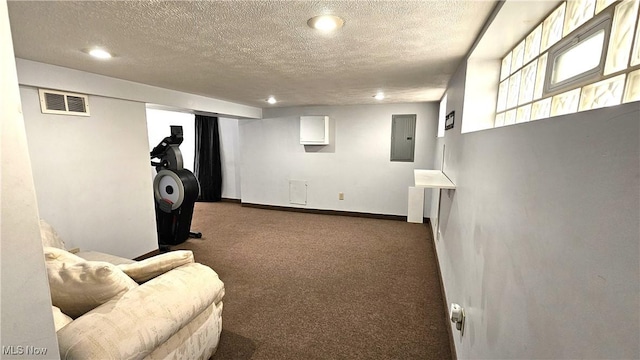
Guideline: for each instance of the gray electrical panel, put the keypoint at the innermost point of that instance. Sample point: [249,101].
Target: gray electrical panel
[403,135]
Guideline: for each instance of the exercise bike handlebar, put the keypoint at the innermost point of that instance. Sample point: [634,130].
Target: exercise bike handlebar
[175,139]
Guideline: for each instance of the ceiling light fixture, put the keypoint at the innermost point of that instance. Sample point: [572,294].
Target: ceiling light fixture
[379,96]
[99,53]
[271,100]
[325,22]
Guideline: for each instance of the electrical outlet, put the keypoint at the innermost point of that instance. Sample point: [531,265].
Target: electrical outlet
[340,196]
[457,316]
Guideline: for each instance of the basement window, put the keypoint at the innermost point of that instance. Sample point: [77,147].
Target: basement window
[584,55]
[581,58]
[578,58]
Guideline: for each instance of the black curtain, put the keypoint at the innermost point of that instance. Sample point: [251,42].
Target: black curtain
[207,165]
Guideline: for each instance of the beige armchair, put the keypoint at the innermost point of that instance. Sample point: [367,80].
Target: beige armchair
[164,307]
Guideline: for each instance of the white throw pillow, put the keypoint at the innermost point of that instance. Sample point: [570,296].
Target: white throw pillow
[60,320]
[79,286]
[50,236]
[147,269]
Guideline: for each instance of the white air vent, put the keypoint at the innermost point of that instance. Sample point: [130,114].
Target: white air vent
[59,102]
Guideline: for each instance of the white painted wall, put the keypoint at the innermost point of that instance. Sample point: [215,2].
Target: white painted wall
[159,127]
[481,93]
[92,174]
[540,240]
[230,157]
[356,162]
[25,301]
[38,74]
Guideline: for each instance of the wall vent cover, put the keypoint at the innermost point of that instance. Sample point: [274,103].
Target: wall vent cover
[63,103]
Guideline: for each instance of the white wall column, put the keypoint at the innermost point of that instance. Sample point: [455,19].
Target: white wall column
[25,300]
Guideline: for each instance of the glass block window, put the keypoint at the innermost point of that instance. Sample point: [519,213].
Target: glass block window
[532,44]
[502,95]
[584,55]
[603,93]
[635,53]
[540,74]
[527,83]
[517,57]
[541,109]
[500,120]
[552,28]
[578,12]
[624,22]
[506,67]
[523,114]
[514,89]
[510,117]
[632,90]
[603,4]
[565,103]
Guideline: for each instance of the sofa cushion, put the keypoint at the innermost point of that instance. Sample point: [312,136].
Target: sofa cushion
[60,320]
[147,269]
[196,340]
[49,236]
[79,286]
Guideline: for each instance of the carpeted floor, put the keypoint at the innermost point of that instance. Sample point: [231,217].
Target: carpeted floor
[307,286]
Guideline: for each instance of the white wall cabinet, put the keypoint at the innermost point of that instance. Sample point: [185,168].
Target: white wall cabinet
[314,130]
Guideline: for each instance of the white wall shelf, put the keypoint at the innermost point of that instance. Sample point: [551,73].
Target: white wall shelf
[434,179]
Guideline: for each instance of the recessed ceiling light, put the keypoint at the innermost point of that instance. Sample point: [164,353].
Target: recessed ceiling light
[271,100]
[99,53]
[379,96]
[325,22]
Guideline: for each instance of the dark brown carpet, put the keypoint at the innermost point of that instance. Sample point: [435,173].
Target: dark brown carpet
[307,286]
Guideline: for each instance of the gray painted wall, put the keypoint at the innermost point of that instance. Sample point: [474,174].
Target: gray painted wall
[357,161]
[92,174]
[540,240]
[25,302]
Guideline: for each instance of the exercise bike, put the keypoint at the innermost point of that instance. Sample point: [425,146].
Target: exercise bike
[175,190]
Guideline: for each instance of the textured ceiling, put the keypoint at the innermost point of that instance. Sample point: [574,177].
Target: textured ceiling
[245,51]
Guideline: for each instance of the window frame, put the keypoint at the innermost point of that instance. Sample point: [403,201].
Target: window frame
[602,21]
